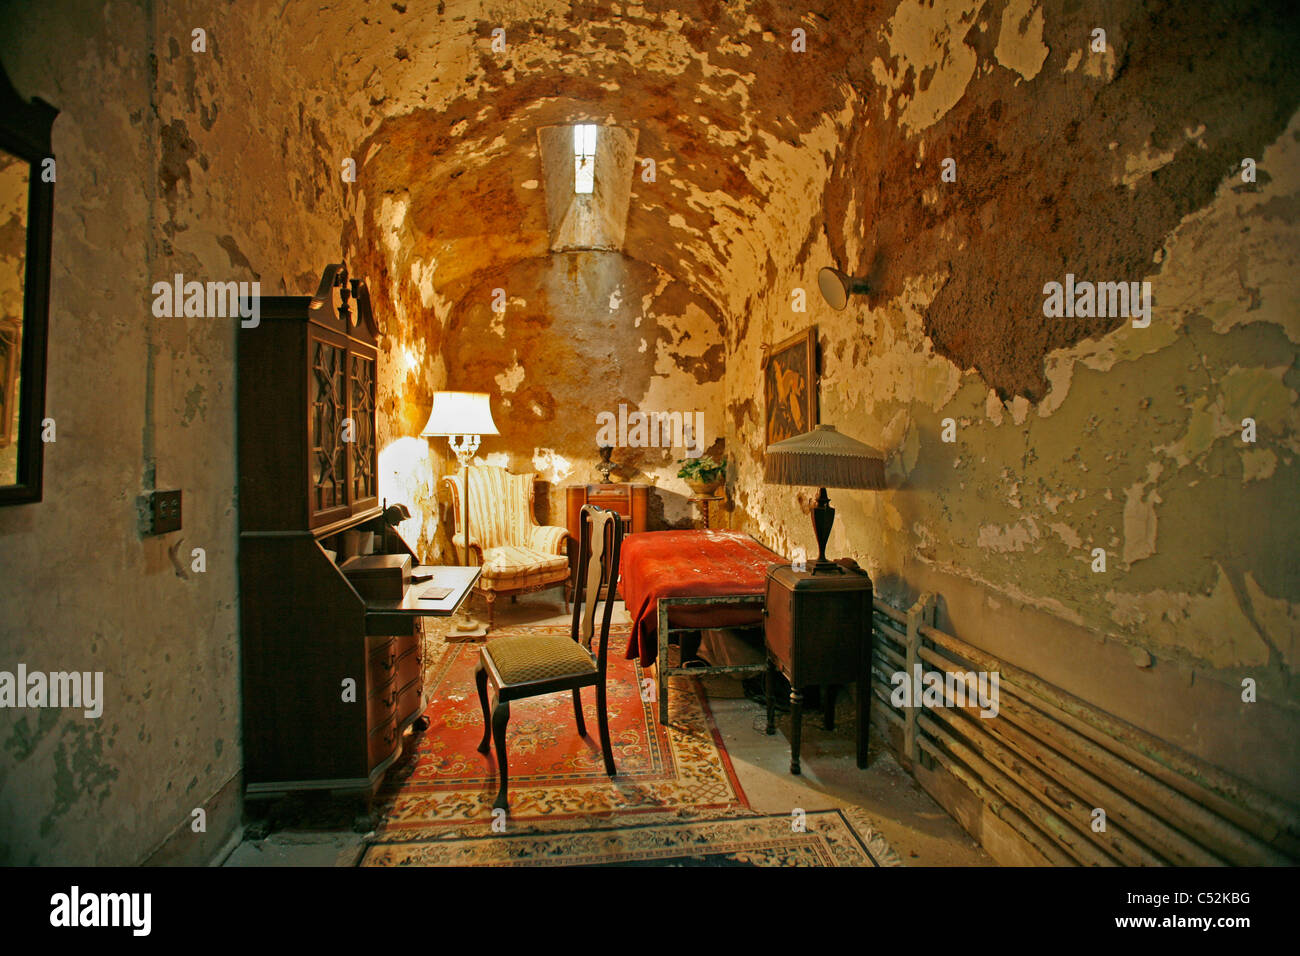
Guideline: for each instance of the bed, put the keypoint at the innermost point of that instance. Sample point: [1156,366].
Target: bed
[691,580]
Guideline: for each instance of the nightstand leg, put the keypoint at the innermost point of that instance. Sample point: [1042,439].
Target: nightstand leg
[864,714]
[769,690]
[796,726]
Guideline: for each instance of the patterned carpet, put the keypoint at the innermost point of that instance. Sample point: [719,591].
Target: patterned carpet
[554,773]
[676,800]
[822,838]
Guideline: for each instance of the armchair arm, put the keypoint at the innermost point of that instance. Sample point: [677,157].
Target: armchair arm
[549,539]
[458,541]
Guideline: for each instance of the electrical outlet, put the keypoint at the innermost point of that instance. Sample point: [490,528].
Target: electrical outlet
[164,512]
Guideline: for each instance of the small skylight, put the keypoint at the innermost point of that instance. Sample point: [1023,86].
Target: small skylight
[584,158]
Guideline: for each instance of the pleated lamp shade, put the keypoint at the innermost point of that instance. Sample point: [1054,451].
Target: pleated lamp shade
[824,458]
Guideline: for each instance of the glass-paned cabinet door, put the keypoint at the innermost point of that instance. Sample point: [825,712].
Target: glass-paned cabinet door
[328,397]
[364,453]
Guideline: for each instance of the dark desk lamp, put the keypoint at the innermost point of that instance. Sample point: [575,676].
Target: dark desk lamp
[824,458]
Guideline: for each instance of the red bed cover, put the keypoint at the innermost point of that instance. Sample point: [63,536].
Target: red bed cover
[656,564]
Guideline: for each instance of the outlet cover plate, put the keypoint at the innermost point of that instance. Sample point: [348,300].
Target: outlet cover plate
[164,511]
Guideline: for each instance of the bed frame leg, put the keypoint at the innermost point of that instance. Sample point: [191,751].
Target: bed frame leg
[661,662]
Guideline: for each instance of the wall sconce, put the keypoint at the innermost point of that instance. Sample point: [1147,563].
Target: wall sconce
[836,287]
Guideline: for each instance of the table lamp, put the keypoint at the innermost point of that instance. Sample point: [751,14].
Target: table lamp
[462,418]
[826,459]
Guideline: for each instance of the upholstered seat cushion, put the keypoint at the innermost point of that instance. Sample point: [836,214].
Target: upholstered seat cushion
[510,567]
[538,657]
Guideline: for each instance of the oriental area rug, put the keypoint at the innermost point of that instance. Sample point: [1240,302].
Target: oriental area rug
[714,838]
[555,774]
[676,800]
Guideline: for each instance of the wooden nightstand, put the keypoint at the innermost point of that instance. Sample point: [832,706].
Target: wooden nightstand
[818,631]
[629,501]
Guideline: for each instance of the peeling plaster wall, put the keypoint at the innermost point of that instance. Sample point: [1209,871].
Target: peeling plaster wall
[169,161]
[581,334]
[1070,434]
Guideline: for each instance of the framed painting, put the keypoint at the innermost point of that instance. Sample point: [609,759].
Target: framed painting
[790,387]
[26,224]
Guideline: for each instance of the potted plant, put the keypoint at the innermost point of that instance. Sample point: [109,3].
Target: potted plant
[703,475]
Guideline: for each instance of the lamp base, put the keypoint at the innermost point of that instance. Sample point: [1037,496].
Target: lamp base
[465,629]
[823,519]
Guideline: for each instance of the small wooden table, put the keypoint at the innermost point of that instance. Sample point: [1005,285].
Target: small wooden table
[818,631]
[705,502]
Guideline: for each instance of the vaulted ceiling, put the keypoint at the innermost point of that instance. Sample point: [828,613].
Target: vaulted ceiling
[720,108]
[763,152]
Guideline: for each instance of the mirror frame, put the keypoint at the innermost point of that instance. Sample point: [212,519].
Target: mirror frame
[25,130]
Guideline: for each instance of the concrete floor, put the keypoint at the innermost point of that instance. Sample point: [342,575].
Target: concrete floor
[917,828]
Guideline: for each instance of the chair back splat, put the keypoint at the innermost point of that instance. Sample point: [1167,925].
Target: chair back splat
[601,537]
[518,666]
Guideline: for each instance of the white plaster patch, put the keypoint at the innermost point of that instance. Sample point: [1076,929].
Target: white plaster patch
[510,380]
[993,407]
[1257,464]
[530,184]
[1067,535]
[422,279]
[1138,166]
[1100,66]
[392,215]
[1019,409]
[1139,523]
[1212,627]
[1021,50]
[551,465]
[1004,538]
[925,38]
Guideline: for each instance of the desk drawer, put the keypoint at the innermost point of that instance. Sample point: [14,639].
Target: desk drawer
[617,502]
[409,702]
[383,660]
[381,704]
[384,741]
[408,667]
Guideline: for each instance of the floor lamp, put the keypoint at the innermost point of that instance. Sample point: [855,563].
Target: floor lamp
[824,458]
[462,418]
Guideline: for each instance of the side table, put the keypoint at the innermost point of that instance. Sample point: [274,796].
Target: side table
[818,631]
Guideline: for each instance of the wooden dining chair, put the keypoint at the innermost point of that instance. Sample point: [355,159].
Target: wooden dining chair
[532,665]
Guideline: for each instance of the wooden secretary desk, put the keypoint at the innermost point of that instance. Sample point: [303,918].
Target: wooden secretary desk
[330,679]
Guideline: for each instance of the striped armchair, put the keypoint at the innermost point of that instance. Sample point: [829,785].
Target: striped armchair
[516,553]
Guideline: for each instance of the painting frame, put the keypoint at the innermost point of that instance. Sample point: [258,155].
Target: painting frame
[25,134]
[791,385]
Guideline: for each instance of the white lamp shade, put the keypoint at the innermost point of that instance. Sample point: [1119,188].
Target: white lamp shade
[459,413]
